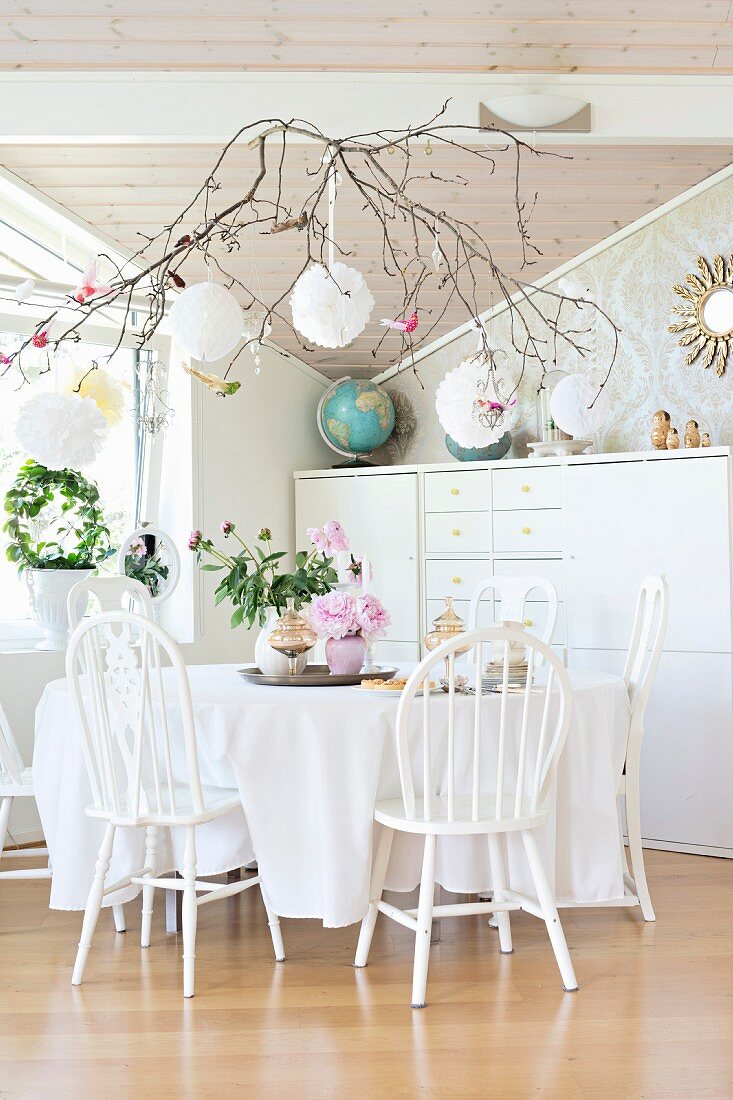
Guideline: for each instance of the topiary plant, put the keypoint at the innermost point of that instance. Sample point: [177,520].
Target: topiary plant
[54,520]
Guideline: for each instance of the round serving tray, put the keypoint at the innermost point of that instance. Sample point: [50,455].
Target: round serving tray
[313,676]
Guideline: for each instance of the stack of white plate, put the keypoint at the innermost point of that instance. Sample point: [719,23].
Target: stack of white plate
[493,676]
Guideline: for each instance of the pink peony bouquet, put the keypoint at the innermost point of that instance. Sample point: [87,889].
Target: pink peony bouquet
[339,613]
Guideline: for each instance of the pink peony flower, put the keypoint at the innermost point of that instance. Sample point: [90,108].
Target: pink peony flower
[137,549]
[372,616]
[336,536]
[318,538]
[334,615]
[195,539]
[226,528]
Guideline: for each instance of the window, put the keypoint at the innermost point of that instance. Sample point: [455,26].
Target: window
[114,470]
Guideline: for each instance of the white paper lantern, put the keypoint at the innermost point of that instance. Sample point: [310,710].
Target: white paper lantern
[471,381]
[60,430]
[331,308]
[206,320]
[570,403]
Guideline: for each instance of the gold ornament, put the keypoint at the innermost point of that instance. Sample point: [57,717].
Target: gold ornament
[661,422]
[692,434]
[705,440]
[706,313]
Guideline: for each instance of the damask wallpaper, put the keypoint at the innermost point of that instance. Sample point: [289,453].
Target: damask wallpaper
[633,282]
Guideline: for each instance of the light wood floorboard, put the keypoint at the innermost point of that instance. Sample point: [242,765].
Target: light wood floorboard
[653,1018]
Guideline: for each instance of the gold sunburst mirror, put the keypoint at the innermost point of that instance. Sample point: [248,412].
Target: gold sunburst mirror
[706,313]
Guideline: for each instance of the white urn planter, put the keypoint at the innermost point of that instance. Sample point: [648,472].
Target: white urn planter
[49,589]
[267,659]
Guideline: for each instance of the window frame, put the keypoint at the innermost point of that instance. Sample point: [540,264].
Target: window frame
[22,634]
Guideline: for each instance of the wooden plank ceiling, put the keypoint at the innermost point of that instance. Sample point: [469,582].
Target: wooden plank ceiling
[559,36]
[129,190]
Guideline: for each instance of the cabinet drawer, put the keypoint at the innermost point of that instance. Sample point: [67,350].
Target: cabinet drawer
[463,491]
[457,578]
[535,620]
[528,530]
[550,568]
[454,532]
[534,487]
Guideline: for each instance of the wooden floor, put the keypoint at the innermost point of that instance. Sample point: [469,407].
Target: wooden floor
[653,1018]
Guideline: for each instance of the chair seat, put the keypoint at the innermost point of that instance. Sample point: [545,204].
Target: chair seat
[391,812]
[217,800]
[24,789]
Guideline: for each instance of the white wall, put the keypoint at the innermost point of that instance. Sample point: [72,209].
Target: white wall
[243,452]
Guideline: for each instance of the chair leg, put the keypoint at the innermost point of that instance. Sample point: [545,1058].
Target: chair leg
[190,912]
[275,930]
[151,847]
[118,912]
[499,879]
[5,808]
[549,911]
[633,828]
[94,904]
[424,923]
[376,886]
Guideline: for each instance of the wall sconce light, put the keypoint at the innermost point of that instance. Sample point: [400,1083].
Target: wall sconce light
[536,112]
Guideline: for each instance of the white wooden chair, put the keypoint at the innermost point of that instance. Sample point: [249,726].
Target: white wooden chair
[109,593]
[642,662]
[114,667]
[16,781]
[515,800]
[513,593]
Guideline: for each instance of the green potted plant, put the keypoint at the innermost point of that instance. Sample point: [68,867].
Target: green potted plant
[57,536]
[259,592]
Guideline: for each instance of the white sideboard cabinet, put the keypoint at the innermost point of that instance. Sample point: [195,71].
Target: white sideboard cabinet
[595,525]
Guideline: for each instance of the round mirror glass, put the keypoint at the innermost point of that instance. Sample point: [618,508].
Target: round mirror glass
[150,556]
[717,311]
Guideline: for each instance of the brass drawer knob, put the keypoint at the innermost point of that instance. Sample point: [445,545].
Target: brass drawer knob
[456,580]
[528,622]
[455,492]
[525,488]
[455,532]
[526,530]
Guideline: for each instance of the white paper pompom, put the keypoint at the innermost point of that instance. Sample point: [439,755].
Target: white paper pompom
[331,308]
[569,406]
[456,399]
[206,320]
[60,430]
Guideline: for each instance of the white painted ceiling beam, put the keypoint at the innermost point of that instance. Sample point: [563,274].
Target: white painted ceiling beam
[166,108]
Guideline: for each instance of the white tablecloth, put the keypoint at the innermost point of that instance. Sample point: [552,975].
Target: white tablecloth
[309,764]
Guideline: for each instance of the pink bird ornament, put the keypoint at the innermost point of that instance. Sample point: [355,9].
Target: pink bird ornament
[402,326]
[91,287]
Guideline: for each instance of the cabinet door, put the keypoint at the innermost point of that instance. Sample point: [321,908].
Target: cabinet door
[379,514]
[627,519]
[687,754]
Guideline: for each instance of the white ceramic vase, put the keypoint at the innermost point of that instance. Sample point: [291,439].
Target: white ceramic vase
[267,659]
[49,589]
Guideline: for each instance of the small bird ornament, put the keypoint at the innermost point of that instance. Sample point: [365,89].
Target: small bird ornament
[407,326]
[92,286]
[219,386]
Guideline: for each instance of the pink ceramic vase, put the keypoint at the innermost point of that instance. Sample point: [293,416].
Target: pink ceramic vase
[345,656]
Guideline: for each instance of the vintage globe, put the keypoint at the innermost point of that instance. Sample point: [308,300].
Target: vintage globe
[355,417]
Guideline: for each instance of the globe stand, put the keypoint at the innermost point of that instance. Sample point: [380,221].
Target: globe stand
[358,462]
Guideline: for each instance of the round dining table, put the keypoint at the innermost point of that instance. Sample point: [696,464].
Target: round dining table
[309,764]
